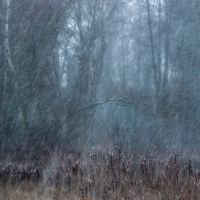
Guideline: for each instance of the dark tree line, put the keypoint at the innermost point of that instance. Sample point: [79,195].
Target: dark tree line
[91,71]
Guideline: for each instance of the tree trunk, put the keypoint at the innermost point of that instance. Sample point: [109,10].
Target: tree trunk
[152,48]
[159,47]
[10,63]
[167,42]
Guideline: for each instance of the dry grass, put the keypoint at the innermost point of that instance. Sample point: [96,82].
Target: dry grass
[72,175]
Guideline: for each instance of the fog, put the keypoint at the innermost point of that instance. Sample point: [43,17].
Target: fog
[93,72]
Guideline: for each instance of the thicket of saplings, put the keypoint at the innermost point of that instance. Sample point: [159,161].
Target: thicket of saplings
[53,172]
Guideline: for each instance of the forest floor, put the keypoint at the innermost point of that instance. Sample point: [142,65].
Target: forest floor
[100,174]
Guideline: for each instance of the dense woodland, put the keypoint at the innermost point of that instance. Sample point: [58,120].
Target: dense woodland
[92,71]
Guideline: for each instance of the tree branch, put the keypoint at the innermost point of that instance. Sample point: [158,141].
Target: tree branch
[141,107]
[2,18]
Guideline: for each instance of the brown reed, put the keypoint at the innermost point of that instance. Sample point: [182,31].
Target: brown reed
[74,174]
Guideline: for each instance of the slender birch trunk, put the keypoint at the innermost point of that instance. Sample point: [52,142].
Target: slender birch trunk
[159,46]
[167,42]
[10,63]
[152,47]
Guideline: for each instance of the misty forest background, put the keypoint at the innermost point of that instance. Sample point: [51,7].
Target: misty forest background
[100,71]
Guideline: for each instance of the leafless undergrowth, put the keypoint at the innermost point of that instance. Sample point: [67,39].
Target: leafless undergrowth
[100,174]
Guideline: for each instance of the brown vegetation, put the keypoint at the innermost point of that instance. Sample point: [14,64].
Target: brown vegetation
[100,174]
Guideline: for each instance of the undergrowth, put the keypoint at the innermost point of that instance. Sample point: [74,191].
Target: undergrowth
[99,174]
